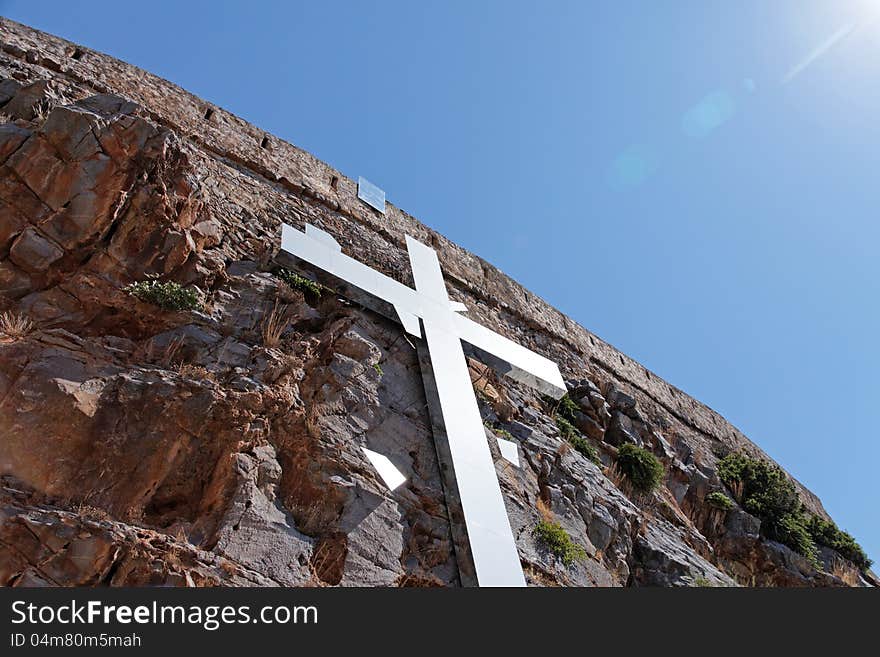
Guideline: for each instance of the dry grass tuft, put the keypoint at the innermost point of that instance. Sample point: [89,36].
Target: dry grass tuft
[275,324]
[419,580]
[313,423]
[91,512]
[328,558]
[190,371]
[845,571]
[171,350]
[286,294]
[737,488]
[616,477]
[624,485]
[14,325]
[40,110]
[544,510]
[228,567]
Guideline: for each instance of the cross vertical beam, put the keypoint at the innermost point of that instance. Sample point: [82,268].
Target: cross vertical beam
[484,538]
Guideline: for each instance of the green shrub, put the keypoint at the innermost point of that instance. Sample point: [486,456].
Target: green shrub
[567,408]
[827,533]
[555,538]
[584,447]
[168,295]
[378,368]
[640,467]
[719,500]
[564,407]
[566,429]
[791,530]
[308,287]
[566,414]
[768,494]
[766,490]
[498,431]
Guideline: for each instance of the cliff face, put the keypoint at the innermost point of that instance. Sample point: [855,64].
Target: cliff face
[222,444]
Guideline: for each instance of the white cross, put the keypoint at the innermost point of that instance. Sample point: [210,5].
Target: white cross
[487,552]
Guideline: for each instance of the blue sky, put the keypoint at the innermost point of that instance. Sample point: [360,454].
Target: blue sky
[695,182]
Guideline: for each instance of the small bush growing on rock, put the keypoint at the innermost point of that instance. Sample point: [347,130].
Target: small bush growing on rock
[791,530]
[640,467]
[566,414]
[308,287]
[566,429]
[564,407]
[378,369]
[827,533]
[769,495]
[584,447]
[567,408]
[498,431]
[168,295]
[719,500]
[766,490]
[555,538]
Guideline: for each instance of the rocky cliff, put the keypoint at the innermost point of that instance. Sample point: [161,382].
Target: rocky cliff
[151,440]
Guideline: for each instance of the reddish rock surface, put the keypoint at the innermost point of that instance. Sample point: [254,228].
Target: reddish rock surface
[141,446]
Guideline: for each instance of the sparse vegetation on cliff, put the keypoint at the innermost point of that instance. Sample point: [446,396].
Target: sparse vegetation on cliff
[498,431]
[643,470]
[826,533]
[566,429]
[719,500]
[567,408]
[791,530]
[584,447]
[274,325]
[167,295]
[556,539]
[565,417]
[766,492]
[308,287]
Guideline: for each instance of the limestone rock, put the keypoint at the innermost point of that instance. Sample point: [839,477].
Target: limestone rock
[33,252]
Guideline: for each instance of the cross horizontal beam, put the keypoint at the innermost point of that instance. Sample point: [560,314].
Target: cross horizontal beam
[519,363]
